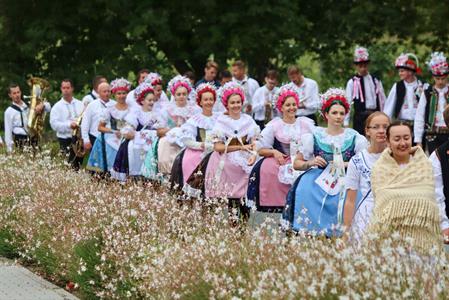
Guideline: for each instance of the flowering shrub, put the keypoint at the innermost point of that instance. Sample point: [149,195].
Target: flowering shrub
[137,241]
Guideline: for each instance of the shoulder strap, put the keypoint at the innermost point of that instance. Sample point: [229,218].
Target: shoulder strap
[400,95]
[15,107]
[92,95]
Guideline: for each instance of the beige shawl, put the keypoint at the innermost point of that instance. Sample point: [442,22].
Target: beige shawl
[404,200]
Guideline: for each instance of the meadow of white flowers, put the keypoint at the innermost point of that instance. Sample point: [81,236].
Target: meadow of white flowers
[119,241]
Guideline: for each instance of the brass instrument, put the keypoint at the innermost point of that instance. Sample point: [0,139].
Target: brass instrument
[36,121]
[77,140]
[268,108]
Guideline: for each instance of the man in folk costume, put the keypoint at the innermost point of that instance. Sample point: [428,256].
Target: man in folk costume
[307,89]
[263,100]
[403,99]
[440,164]
[429,121]
[94,93]
[249,85]
[364,92]
[16,120]
[63,120]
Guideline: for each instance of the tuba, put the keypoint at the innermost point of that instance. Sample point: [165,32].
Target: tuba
[77,140]
[36,122]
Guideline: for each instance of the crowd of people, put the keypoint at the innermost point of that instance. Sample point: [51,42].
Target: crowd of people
[262,149]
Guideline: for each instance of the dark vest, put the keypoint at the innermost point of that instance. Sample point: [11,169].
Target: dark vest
[400,97]
[444,161]
[360,106]
[428,93]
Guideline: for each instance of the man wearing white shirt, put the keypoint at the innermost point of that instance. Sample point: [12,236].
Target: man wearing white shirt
[63,120]
[263,106]
[404,96]
[249,85]
[364,92]
[309,100]
[93,113]
[94,93]
[16,120]
[429,126]
[440,164]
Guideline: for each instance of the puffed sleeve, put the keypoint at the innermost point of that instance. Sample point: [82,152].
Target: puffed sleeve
[361,143]
[306,146]
[266,139]
[439,190]
[352,178]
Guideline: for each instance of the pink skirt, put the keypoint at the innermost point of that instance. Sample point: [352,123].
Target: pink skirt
[272,192]
[166,154]
[191,160]
[233,181]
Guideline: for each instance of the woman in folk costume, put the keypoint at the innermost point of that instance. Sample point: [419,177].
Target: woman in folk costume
[359,197]
[272,177]
[234,136]
[140,139]
[172,118]
[315,200]
[195,135]
[106,145]
[404,192]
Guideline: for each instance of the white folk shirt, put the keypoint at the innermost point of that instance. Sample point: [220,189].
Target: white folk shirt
[408,110]
[249,86]
[262,95]
[63,114]
[92,115]
[420,120]
[370,95]
[308,96]
[439,193]
[90,97]
[13,122]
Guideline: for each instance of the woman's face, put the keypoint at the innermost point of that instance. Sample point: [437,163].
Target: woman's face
[207,101]
[181,96]
[234,104]
[336,115]
[120,96]
[400,140]
[376,130]
[157,92]
[289,107]
[148,101]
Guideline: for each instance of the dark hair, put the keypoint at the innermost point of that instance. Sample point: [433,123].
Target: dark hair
[225,74]
[239,63]
[190,75]
[97,80]
[446,116]
[399,123]
[141,71]
[272,74]
[293,69]
[11,86]
[68,80]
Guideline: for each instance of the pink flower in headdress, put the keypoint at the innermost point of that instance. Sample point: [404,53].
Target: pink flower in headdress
[204,88]
[142,91]
[179,81]
[229,89]
[438,64]
[284,92]
[120,84]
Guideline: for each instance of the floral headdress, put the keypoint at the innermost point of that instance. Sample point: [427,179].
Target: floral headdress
[204,88]
[438,65]
[177,82]
[153,79]
[142,91]
[334,96]
[229,89]
[285,91]
[408,61]
[120,84]
[361,55]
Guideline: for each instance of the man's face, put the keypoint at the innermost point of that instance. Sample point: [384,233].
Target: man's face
[66,90]
[440,81]
[271,82]
[210,73]
[15,94]
[102,80]
[406,74]
[104,91]
[362,69]
[142,77]
[238,73]
[294,77]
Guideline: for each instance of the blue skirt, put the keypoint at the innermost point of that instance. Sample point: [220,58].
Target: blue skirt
[309,208]
[102,156]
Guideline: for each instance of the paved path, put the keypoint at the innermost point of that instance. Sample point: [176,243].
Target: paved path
[18,283]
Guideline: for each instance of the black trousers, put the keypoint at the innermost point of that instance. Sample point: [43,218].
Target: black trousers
[65,145]
[434,140]
[21,141]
